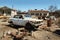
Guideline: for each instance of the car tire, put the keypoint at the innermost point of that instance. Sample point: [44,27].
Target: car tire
[29,27]
[11,23]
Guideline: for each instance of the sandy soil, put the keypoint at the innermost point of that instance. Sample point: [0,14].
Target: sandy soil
[36,35]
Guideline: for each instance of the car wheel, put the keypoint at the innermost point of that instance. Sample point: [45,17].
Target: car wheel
[29,27]
[11,23]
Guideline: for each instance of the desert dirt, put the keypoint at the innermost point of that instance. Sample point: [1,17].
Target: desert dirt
[40,34]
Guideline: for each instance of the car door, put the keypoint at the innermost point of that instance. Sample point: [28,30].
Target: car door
[15,20]
[21,21]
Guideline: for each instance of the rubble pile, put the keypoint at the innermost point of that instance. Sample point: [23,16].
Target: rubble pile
[43,32]
[23,34]
[18,34]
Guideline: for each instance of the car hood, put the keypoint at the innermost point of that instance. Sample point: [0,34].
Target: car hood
[33,19]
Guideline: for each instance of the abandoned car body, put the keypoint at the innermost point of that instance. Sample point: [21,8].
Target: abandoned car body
[23,20]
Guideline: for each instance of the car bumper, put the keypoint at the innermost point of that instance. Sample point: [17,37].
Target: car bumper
[37,25]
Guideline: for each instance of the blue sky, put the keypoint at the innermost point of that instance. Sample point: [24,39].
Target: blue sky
[25,5]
